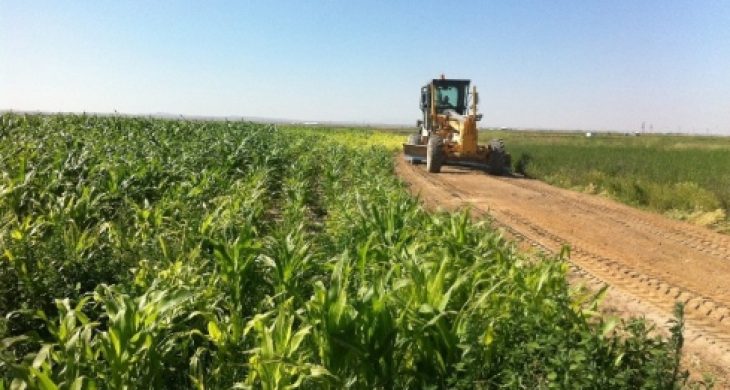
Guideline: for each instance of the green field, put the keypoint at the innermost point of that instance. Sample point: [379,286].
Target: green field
[147,253]
[684,177]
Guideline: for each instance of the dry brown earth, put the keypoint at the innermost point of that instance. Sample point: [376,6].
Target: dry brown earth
[649,261]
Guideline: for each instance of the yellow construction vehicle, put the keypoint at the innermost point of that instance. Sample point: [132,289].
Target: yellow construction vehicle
[448,130]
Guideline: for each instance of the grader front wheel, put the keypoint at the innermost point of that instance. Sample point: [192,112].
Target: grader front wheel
[434,154]
[498,159]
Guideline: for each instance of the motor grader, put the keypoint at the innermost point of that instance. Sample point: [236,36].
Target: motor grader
[448,130]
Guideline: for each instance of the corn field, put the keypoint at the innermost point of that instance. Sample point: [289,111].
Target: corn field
[143,253]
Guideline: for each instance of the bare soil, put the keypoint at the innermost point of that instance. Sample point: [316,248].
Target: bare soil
[649,261]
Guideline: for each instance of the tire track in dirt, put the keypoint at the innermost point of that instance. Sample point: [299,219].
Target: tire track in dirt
[649,261]
[689,235]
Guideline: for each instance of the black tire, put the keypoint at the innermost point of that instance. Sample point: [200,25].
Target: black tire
[434,154]
[498,160]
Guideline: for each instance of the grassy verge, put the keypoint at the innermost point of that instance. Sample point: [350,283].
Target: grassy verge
[141,253]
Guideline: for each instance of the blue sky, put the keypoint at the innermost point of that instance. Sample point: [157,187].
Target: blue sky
[548,64]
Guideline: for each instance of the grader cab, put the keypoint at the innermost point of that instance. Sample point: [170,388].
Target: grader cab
[448,130]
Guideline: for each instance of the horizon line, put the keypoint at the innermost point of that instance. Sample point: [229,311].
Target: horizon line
[333,123]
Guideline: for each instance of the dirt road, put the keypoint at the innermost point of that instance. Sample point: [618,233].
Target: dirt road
[648,260]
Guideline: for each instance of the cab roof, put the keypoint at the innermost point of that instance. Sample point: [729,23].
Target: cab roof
[444,82]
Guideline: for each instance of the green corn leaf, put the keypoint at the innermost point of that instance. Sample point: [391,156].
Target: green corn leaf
[215,333]
[45,382]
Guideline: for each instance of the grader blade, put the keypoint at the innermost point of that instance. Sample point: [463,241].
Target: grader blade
[414,153]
